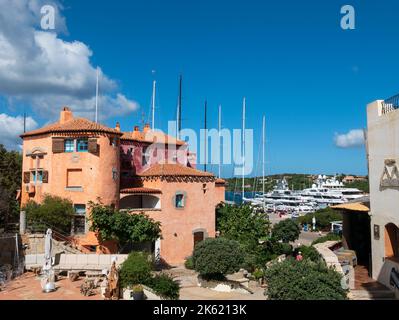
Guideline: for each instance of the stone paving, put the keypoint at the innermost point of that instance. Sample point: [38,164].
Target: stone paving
[191,291]
[27,287]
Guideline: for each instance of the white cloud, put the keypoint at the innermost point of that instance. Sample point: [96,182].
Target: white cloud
[11,128]
[354,138]
[39,68]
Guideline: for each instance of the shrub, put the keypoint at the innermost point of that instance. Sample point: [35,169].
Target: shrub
[323,218]
[309,252]
[214,258]
[303,280]
[189,263]
[328,237]
[286,230]
[164,286]
[136,269]
[121,226]
[54,212]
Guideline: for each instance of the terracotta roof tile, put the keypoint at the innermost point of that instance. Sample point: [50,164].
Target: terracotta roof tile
[151,137]
[220,181]
[73,125]
[174,170]
[140,190]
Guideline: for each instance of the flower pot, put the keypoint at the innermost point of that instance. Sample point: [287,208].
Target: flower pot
[137,295]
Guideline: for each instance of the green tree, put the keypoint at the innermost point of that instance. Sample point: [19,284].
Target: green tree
[240,223]
[303,280]
[122,226]
[309,252]
[286,230]
[10,182]
[214,258]
[54,212]
[323,218]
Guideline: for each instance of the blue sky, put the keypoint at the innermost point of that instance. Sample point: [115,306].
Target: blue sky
[291,60]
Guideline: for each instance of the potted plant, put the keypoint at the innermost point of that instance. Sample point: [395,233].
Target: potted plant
[137,292]
[258,274]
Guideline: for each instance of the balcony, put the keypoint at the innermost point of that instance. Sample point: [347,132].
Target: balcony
[140,199]
[391,104]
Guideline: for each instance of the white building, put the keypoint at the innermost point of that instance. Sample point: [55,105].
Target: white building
[383,154]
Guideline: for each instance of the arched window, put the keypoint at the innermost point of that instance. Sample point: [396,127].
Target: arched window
[391,241]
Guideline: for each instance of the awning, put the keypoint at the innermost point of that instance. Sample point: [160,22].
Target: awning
[354,206]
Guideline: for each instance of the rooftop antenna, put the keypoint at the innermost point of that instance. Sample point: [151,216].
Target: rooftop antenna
[220,139]
[205,136]
[96,120]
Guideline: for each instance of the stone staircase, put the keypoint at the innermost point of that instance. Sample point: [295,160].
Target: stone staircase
[368,289]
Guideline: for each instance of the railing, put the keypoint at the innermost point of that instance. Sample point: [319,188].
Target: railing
[391,104]
[57,234]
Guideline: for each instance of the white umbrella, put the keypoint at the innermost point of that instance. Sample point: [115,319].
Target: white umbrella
[47,250]
[48,280]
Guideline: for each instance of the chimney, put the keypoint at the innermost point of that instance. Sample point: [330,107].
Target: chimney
[136,128]
[146,128]
[66,115]
[118,127]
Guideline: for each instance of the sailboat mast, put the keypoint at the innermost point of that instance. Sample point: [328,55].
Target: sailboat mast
[154,84]
[97,97]
[179,107]
[205,136]
[243,146]
[263,158]
[220,140]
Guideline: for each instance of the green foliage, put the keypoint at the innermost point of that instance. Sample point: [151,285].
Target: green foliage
[216,257]
[328,237]
[54,211]
[303,280]
[258,274]
[240,223]
[323,218]
[309,252]
[10,182]
[286,230]
[361,185]
[122,226]
[189,263]
[136,269]
[137,288]
[164,286]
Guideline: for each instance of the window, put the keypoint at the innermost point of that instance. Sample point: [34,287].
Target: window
[74,178]
[179,201]
[83,145]
[79,221]
[144,160]
[37,176]
[69,145]
[80,209]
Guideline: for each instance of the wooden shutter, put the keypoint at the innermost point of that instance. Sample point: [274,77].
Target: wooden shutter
[45,177]
[92,145]
[58,145]
[26,176]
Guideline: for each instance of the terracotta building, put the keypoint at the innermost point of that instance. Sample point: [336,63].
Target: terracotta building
[139,171]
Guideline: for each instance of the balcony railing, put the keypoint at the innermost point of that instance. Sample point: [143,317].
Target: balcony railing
[391,104]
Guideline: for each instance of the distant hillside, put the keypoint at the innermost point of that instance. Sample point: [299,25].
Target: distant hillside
[295,182]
